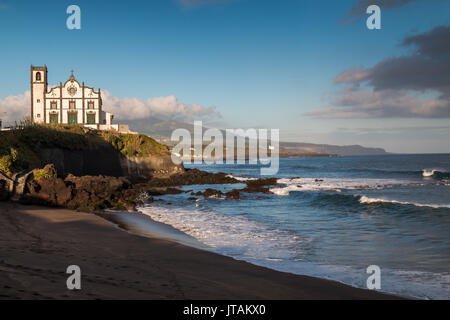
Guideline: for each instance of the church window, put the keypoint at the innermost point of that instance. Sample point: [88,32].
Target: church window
[38,76]
[71,104]
[38,100]
[53,105]
[90,104]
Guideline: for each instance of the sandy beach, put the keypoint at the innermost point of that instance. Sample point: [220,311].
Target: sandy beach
[37,244]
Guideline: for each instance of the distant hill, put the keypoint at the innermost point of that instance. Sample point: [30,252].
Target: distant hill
[331,149]
[161,130]
[158,127]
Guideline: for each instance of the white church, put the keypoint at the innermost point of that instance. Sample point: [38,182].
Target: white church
[68,103]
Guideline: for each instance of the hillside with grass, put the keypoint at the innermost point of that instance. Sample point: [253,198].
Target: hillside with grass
[20,149]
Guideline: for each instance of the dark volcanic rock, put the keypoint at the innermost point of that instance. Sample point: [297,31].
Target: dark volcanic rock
[88,193]
[192,176]
[157,191]
[259,185]
[4,193]
[95,193]
[208,193]
[233,194]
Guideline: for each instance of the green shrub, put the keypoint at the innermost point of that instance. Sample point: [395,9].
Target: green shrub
[6,164]
[41,174]
[131,145]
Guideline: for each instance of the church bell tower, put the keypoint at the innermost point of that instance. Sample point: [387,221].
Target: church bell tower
[38,90]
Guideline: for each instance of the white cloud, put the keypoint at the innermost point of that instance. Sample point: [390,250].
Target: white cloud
[16,108]
[166,107]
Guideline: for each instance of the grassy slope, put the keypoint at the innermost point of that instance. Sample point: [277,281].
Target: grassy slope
[19,147]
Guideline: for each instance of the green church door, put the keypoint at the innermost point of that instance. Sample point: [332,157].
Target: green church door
[91,118]
[54,118]
[72,118]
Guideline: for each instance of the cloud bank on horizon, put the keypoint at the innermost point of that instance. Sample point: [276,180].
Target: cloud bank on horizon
[397,82]
[16,108]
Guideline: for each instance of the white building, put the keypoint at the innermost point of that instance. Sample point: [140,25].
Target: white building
[68,103]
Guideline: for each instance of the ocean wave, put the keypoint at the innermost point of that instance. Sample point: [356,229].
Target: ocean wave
[335,185]
[367,200]
[234,236]
[436,174]
[426,173]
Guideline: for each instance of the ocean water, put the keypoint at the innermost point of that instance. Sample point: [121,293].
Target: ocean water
[332,217]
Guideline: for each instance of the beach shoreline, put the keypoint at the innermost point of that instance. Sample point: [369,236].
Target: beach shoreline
[39,243]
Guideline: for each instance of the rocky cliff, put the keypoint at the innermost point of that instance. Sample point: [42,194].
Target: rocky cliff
[80,151]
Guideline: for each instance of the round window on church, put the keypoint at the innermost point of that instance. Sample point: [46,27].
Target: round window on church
[72,90]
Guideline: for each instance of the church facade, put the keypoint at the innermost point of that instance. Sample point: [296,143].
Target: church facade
[68,103]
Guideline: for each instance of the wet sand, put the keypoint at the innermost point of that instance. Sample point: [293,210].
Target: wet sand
[37,244]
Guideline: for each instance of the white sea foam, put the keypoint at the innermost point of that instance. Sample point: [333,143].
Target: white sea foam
[231,235]
[429,173]
[333,184]
[368,200]
[240,178]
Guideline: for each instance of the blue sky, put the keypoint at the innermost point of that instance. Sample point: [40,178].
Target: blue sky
[259,63]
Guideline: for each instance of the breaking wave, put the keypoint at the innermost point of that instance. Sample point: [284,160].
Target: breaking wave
[234,236]
[436,174]
[367,200]
[335,185]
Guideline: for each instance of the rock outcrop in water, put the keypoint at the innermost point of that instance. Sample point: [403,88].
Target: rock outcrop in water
[96,193]
[252,186]
[190,177]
